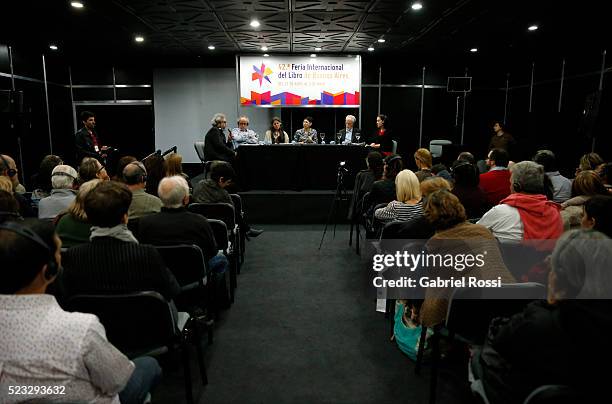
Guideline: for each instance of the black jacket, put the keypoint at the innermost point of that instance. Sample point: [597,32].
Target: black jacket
[353,140]
[177,226]
[111,266]
[84,146]
[215,147]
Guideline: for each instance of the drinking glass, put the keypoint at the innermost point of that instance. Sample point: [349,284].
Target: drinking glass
[357,136]
[322,134]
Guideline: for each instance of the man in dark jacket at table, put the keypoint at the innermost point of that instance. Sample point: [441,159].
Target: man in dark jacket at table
[216,145]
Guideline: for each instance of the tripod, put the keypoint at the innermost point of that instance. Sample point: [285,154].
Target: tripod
[340,195]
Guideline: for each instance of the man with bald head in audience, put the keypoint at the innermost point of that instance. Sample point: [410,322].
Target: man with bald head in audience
[135,176]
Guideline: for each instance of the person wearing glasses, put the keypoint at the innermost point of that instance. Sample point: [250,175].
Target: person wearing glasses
[242,134]
[350,134]
[216,147]
[90,169]
[307,134]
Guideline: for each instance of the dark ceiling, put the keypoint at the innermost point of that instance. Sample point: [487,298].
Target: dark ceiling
[185,28]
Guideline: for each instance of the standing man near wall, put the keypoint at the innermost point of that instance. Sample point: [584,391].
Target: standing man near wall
[86,140]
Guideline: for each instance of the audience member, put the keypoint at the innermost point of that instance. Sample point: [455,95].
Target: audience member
[91,169]
[440,170]
[526,214]
[598,214]
[216,147]
[276,134]
[8,168]
[176,225]
[496,182]
[606,176]
[585,185]
[382,140]
[242,134]
[383,191]
[467,156]
[114,262]
[532,348]
[423,160]
[456,236]
[471,196]
[155,172]
[73,227]
[9,207]
[589,161]
[43,345]
[501,139]
[6,184]
[364,181]
[121,163]
[408,204]
[212,190]
[135,176]
[42,180]
[349,134]
[307,134]
[64,181]
[25,206]
[173,165]
[562,187]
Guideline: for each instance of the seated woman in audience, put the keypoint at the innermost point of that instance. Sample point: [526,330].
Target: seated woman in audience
[598,214]
[155,172]
[408,204]
[440,170]
[382,140]
[9,207]
[561,341]
[91,169]
[606,176]
[42,180]
[43,345]
[276,134]
[73,228]
[307,134]
[586,184]
[364,181]
[423,160]
[589,161]
[466,179]
[455,235]
[173,165]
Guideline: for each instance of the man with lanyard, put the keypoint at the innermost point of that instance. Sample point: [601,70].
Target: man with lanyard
[86,141]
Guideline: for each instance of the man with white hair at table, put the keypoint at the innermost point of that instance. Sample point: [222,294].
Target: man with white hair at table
[242,134]
[350,133]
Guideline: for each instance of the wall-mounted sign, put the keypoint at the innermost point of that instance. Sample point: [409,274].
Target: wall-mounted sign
[300,81]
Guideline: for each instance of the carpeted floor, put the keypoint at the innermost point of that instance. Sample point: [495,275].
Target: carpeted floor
[303,329]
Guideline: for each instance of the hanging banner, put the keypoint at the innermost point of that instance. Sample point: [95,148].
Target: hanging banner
[300,81]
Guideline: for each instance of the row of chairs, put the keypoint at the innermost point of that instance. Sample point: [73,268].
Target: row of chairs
[144,323]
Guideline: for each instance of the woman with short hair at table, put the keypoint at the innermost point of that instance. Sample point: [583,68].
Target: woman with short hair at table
[307,134]
[276,134]
[382,141]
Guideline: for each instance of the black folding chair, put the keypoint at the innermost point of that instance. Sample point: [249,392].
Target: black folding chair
[220,231]
[144,323]
[237,201]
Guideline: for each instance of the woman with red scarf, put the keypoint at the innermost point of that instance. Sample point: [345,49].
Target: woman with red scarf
[381,140]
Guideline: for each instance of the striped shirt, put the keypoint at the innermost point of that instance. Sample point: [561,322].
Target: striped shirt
[401,211]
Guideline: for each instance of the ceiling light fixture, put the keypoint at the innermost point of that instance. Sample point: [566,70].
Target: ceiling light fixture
[474,50]
[381,40]
[416,6]
[139,38]
[211,47]
[313,55]
[53,47]
[371,49]
[264,48]
[77,4]
[265,55]
[254,23]
[317,49]
[533,28]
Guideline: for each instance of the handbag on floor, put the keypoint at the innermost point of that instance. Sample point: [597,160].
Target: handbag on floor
[406,331]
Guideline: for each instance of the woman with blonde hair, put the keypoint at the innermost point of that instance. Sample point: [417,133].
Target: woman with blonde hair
[173,165]
[72,227]
[408,204]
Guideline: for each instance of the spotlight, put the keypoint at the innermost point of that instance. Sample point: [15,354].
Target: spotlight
[211,47]
[416,6]
[371,49]
[533,28]
[317,49]
[264,48]
[53,47]
[139,38]
[265,55]
[254,23]
[474,50]
[381,40]
[313,55]
[77,4]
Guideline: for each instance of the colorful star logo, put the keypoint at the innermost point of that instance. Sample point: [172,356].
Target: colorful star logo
[261,73]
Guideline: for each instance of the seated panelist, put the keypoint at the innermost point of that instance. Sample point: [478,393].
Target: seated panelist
[307,134]
[242,134]
[276,134]
[350,134]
